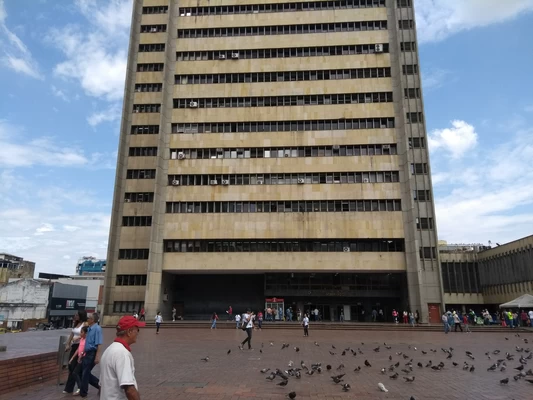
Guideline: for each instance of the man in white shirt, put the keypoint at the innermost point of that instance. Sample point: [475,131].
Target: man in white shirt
[117,370]
[248,323]
[238,320]
[305,323]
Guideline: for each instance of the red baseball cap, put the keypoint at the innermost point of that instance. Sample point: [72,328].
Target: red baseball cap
[128,322]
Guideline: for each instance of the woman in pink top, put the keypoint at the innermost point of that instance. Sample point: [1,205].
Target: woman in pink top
[76,373]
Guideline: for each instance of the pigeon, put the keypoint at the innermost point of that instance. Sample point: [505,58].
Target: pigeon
[283,383]
[357,369]
[292,395]
[399,353]
[492,367]
[297,349]
[332,353]
[346,387]
[504,381]
[382,387]
[405,356]
[409,378]
[328,367]
[316,344]
[506,338]
[395,376]
[420,365]
[383,370]
[271,377]
[472,368]
[424,352]
[310,372]
[376,349]
[343,353]
[520,368]
[516,377]
[388,347]
[429,364]
[337,376]
[529,372]
[265,370]
[390,358]
[433,350]
[496,352]
[271,343]
[406,371]
[340,367]
[367,364]
[336,379]
[449,356]
[205,359]
[298,375]
[529,380]
[397,364]
[455,364]
[359,351]
[333,347]
[261,351]
[284,346]
[302,364]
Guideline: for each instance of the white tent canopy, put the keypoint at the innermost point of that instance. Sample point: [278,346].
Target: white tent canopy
[524,301]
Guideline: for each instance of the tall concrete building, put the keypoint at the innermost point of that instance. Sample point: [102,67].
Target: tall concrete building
[273,154]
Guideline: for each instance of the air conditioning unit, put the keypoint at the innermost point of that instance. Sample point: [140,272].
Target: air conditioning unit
[175,182]
[181,155]
[135,111]
[366,180]
[259,182]
[286,155]
[346,249]
[301,181]
[221,56]
[225,182]
[193,104]
[378,48]
[234,56]
[213,182]
[153,30]
[386,146]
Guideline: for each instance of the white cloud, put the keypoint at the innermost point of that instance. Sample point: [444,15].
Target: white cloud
[439,19]
[45,227]
[16,55]
[113,113]
[434,78]
[456,140]
[59,93]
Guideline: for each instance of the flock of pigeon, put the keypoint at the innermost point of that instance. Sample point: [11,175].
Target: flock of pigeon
[405,366]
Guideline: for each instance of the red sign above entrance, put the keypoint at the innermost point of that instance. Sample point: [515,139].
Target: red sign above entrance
[274,300]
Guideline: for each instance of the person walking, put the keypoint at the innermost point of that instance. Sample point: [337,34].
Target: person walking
[260,320]
[77,358]
[341,318]
[141,318]
[230,313]
[117,369]
[466,324]
[248,325]
[374,315]
[412,319]
[405,317]
[395,316]
[530,314]
[445,323]
[381,317]
[214,318]
[173,314]
[91,357]
[417,317]
[237,320]
[457,321]
[73,343]
[305,324]
[158,320]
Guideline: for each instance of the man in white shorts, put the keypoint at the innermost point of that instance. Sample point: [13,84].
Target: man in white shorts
[117,370]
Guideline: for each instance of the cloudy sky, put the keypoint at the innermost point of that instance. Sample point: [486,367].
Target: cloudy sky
[62,66]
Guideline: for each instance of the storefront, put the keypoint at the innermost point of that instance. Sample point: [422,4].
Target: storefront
[65,300]
[274,308]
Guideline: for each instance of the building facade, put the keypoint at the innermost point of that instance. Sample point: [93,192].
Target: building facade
[90,266]
[273,149]
[15,267]
[24,303]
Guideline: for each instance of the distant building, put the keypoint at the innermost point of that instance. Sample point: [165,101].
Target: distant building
[24,303]
[95,288]
[15,267]
[47,275]
[90,266]
[64,301]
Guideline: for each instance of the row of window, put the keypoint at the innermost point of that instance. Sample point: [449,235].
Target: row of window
[429,253]
[130,280]
[424,223]
[148,87]
[143,151]
[317,51]
[155,10]
[133,254]
[284,178]
[411,93]
[279,7]
[410,69]
[204,207]
[403,3]
[419,168]
[285,126]
[284,76]
[282,29]
[417,143]
[137,221]
[460,277]
[414,117]
[128,307]
[135,197]
[280,101]
[146,108]
[150,67]
[140,174]
[144,129]
[153,28]
[285,152]
[283,245]
[408,46]
[422,195]
[152,47]
[406,24]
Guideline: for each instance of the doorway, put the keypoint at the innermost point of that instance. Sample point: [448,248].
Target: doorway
[434,313]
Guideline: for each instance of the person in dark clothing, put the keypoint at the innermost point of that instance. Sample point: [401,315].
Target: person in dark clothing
[248,325]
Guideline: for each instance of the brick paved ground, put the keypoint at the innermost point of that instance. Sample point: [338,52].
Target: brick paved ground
[169,366]
[29,343]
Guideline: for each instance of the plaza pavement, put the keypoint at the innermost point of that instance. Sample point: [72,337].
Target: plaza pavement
[169,366]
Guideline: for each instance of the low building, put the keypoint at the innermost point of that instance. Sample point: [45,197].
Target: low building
[90,266]
[95,289]
[24,303]
[64,301]
[15,267]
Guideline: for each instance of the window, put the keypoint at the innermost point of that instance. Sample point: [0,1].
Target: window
[403,3]
[410,69]
[148,87]
[413,118]
[280,29]
[408,46]
[284,126]
[137,221]
[143,151]
[413,93]
[284,245]
[428,253]
[406,24]
[422,195]
[361,73]
[127,307]
[203,207]
[130,197]
[133,254]
[130,280]
[151,67]
[146,108]
[289,52]
[284,101]
[151,47]
[417,143]
[419,168]
[153,28]
[155,10]
[424,223]
[140,174]
[144,129]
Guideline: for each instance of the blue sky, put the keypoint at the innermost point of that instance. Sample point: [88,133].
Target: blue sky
[62,67]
